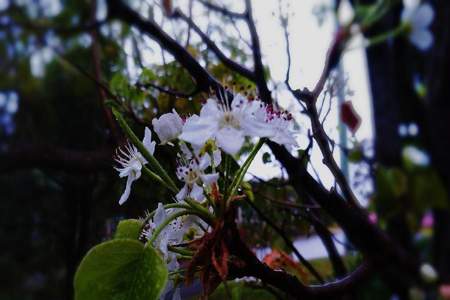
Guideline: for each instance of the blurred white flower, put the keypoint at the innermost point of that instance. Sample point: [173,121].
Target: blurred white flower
[418,18]
[131,162]
[168,127]
[428,273]
[416,156]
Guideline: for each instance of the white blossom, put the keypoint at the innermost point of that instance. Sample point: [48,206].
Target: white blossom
[168,127]
[418,18]
[228,124]
[192,173]
[131,162]
[171,234]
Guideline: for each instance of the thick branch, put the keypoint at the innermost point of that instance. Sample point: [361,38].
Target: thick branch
[117,9]
[289,283]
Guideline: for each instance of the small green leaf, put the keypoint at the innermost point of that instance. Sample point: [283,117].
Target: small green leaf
[128,229]
[121,269]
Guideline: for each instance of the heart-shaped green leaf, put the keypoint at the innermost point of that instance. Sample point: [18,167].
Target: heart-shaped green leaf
[121,269]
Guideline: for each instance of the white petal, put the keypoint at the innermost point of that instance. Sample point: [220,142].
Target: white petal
[160,215]
[422,39]
[147,141]
[230,140]
[253,127]
[210,109]
[198,130]
[239,102]
[217,157]
[205,161]
[423,16]
[127,191]
[196,192]
[182,193]
[168,126]
[209,179]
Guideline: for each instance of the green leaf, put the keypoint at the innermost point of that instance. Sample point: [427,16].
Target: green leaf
[119,85]
[121,269]
[128,229]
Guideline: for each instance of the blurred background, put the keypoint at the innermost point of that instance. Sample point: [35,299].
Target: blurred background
[58,189]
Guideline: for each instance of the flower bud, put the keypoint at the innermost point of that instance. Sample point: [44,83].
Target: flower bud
[168,126]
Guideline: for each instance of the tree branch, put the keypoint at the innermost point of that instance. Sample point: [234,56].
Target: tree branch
[222,10]
[260,81]
[231,64]
[288,242]
[117,9]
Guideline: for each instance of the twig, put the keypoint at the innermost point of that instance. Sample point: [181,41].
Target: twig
[288,242]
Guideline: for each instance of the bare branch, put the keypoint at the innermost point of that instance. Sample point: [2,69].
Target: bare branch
[167,91]
[222,10]
[260,79]
[231,64]
[288,242]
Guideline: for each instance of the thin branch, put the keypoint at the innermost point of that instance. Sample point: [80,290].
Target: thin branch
[222,10]
[260,79]
[288,242]
[167,91]
[231,64]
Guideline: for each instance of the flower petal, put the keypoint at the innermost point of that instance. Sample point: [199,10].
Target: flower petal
[422,39]
[210,109]
[230,140]
[197,130]
[147,141]
[196,192]
[127,191]
[217,157]
[423,16]
[160,215]
[209,179]
[182,193]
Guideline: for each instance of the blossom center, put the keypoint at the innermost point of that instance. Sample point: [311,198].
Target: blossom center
[229,120]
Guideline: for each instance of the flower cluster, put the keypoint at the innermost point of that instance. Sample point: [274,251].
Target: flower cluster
[223,125]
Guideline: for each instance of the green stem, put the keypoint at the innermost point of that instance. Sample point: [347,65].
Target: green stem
[181,251]
[150,158]
[241,172]
[386,35]
[200,209]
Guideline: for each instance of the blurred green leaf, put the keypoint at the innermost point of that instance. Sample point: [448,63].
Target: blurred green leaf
[120,269]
